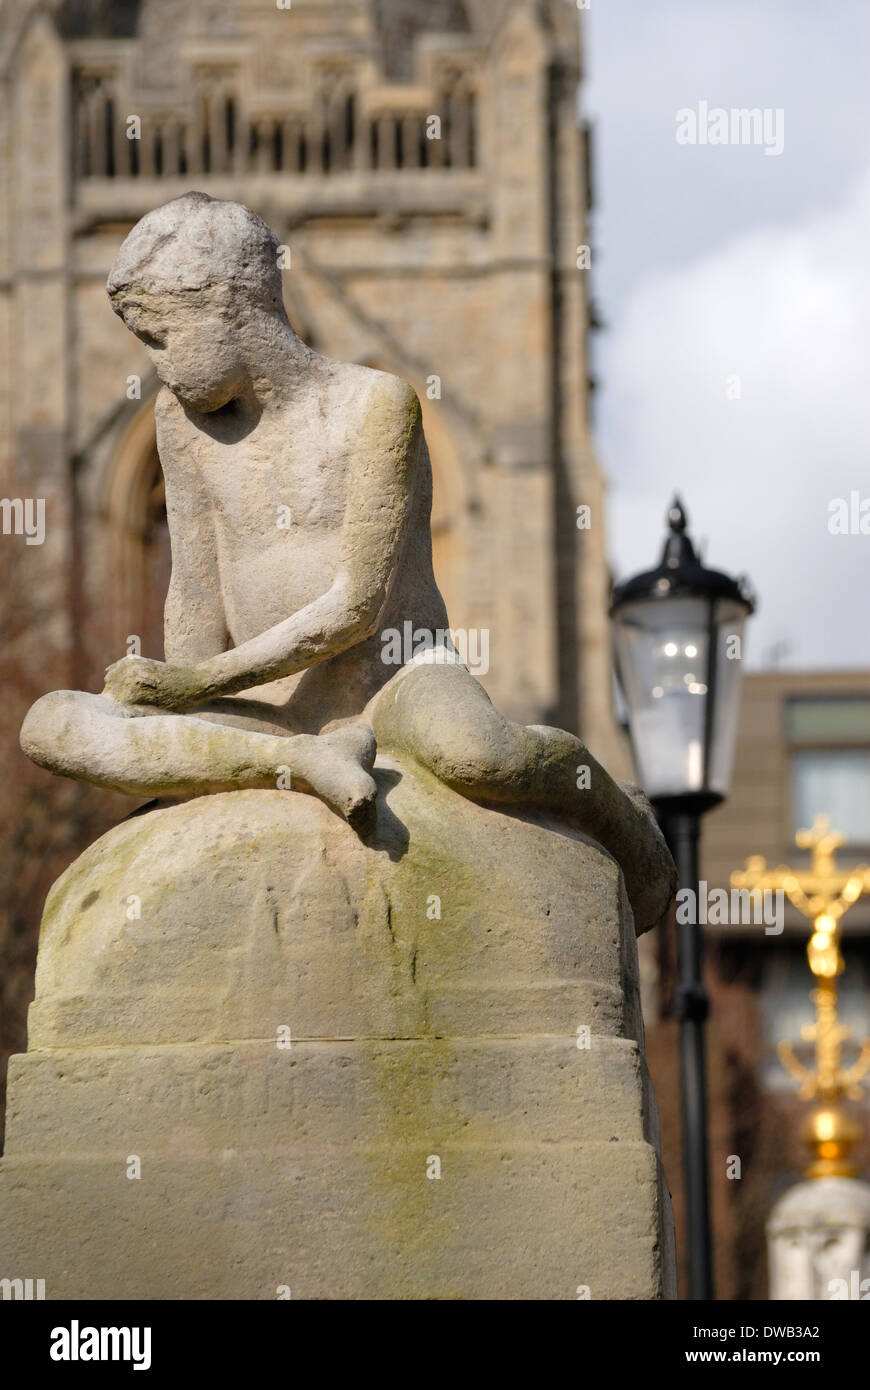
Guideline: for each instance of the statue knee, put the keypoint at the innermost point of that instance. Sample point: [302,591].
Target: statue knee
[44,725]
[478,754]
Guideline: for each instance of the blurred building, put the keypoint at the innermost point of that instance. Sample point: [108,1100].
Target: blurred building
[451,261]
[803,750]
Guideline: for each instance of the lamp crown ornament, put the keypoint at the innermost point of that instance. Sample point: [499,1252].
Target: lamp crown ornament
[681,571]
[679,550]
[823,893]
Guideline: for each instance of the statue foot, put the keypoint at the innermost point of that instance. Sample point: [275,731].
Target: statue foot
[338,770]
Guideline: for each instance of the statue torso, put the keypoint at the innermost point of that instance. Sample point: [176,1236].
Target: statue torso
[268,498]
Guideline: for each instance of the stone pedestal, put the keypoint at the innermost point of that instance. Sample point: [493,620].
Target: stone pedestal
[432,1130]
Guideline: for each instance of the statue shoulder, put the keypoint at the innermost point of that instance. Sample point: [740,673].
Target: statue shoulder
[392,408]
[169,418]
[165,404]
[398,393]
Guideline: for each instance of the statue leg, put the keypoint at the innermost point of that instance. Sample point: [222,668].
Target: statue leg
[146,752]
[442,717]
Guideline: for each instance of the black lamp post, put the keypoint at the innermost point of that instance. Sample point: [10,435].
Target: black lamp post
[679,637]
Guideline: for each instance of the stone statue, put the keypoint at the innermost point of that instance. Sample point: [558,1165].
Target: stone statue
[818,1241]
[383,1040]
[274,633]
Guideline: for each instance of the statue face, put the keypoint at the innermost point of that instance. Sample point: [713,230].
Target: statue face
[837,1252]
[806,1264]
[195,349]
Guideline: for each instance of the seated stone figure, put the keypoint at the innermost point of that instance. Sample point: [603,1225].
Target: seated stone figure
[273,630]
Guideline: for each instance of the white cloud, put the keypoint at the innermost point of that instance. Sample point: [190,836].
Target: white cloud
[786,309]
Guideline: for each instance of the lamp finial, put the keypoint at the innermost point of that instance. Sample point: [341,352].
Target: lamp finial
[677,519]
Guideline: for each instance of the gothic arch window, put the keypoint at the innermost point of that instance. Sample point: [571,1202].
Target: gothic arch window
[386,139]
[399,141]
[94,126]
[215,134]
[266,145]
[447,506]
[413,140]
[230,125]
[205,135]
[109,137]
[336,121]
[349,122]
[156,560]
[458,107]
[98,19]
[293,147]
[84,158]
[138,554]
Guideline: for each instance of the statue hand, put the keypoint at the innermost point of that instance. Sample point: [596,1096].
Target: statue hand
[137,680]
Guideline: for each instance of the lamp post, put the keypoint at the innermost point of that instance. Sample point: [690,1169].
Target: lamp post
[679,637]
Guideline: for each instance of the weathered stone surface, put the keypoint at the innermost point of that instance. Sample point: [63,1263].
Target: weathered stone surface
[302,618]
[505,1221]
[446,960]
[343,1224]
[259,909]
[413,1037]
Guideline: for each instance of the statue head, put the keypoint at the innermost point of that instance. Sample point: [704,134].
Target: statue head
[818,1236]
[192,280]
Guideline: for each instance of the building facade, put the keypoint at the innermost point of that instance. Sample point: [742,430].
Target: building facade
[423,167]
[803,751]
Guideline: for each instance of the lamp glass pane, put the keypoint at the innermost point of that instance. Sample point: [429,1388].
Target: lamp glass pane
[662,652]
[730,619]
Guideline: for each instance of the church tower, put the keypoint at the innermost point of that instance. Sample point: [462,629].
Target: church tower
[422,164]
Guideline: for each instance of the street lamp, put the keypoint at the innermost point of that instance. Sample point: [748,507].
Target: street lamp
[679,638]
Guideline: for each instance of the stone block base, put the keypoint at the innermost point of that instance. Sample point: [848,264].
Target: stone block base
[432,1130]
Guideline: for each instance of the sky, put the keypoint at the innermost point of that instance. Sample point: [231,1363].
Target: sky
[735,289]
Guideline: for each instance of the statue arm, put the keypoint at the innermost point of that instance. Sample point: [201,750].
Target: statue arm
[194,626]
[371,539]
[194,621]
